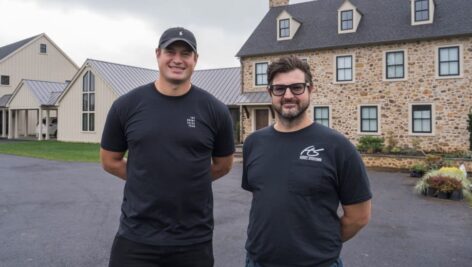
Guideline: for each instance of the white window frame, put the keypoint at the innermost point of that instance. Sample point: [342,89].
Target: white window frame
[294,25]
[405,66]
[254,78]
[253,115]
[330,123]
[356,17]
[359,119]
[461,62]
[335,64]
[422,22]
[410,119]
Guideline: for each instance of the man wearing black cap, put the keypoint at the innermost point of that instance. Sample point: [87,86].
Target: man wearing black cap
[179,139]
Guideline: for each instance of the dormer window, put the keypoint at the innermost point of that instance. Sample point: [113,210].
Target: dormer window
[422,12]
[284,28]
[346,20]
[287,26]
[349,18]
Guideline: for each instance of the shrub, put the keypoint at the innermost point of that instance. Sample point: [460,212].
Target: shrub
[370,144]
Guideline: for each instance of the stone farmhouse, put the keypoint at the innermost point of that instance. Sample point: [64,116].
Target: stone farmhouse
[397,69]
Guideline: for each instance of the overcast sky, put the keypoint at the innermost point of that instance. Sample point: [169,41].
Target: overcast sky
[127,31]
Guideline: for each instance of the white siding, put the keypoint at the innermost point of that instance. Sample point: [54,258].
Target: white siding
[70,111]
[24,99]
[28,63]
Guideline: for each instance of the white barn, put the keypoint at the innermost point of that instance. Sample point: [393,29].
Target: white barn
[34,58]
[84,104]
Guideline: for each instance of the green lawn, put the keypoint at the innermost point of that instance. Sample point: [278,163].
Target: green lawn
[54,150]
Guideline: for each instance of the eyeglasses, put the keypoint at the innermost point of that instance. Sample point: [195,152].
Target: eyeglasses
[295,88]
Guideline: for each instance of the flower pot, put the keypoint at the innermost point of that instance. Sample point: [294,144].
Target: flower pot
[431,192]
[416,174]
[457,195]
[443,195]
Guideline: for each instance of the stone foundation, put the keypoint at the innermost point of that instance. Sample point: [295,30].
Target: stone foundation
[405,162]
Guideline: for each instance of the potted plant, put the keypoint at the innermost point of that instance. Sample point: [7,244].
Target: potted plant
[418,170]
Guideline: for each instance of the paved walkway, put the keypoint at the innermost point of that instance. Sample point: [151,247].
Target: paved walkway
[66,214]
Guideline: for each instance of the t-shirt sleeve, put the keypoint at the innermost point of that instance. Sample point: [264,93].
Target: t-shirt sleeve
[113,137]
[245,183]
[224,141]
[354,182]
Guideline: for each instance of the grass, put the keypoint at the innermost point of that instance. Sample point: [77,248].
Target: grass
[53,150]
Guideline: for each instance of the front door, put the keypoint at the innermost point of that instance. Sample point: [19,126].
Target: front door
[261,118]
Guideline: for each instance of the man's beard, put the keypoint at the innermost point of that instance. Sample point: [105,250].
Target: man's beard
[291,115]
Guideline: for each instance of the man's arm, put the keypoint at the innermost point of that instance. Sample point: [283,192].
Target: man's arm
[221,166]
[355,217]
[113,162]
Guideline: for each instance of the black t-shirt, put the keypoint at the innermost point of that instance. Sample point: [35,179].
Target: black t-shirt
[298,180]
[170,141]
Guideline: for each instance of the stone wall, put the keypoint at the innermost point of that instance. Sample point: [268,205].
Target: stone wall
[404,162]
[451,98]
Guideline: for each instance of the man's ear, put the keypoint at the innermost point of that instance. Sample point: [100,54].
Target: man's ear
[196,57]
[158,52]
[311,88]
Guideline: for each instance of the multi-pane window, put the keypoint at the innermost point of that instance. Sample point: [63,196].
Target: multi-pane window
[395,65]
[284,28]
[421,10]
[346,20]
[422,119]
[343,68]
[449,61]
[322,115]
[369,119]
[43,49]
[5,80]
[88,102]
[261,73]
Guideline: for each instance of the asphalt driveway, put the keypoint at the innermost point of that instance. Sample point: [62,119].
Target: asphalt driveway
[66,214]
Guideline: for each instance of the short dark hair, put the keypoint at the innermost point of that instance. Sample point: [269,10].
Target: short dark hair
[287,64]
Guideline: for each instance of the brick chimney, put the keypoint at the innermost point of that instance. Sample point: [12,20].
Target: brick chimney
[274,3]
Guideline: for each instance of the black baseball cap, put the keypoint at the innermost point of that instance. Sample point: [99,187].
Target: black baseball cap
[178,34]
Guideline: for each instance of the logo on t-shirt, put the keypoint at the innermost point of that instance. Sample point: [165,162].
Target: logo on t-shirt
[311,153]
[191,122]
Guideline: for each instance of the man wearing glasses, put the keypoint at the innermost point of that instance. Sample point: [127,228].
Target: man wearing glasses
[299,172]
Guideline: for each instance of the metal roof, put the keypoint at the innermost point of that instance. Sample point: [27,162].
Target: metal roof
[224,84]
[45,92]
[254,98]
[122,78]
[4,100]
[383,21]
[8,49]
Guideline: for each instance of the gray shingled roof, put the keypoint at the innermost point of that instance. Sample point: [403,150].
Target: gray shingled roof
[4,100]
[8,49]
[45,92]
[254,98]
[383,21]
[224,84]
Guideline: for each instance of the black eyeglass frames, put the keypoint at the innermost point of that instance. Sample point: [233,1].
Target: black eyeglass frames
[295,88]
